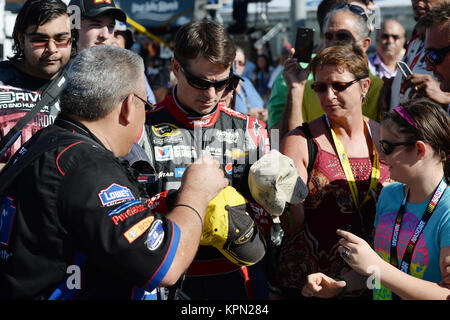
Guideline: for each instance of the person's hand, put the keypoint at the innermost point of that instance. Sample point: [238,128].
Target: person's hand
[357,253]
[203,179]
[423,85]
[263,114]
[253,112]
[260,114]
[446,274]
[321,286]
[293,72]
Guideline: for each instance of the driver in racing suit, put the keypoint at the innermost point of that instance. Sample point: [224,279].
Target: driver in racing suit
[190,122]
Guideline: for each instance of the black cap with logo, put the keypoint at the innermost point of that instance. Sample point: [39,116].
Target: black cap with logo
[94,8]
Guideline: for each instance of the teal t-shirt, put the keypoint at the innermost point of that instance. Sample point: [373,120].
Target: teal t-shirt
[425,259]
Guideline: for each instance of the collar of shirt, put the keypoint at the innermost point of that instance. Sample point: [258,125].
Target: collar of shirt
[380,68]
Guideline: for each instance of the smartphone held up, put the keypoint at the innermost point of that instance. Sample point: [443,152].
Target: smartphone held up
[304,44]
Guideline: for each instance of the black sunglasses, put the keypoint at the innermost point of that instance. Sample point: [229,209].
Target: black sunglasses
[436,56]
[341,36]
[386,36]
[387,147]
[321,87]
[234,81]
[205,84]
[355,9]
[148,105]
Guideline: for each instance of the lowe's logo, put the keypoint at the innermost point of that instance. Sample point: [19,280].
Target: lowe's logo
[115,194]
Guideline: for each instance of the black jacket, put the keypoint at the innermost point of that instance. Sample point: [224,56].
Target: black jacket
[76,224]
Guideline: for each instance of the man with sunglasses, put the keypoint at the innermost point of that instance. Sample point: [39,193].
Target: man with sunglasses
[42,47]
[190,122]
[422,82]
[437,57]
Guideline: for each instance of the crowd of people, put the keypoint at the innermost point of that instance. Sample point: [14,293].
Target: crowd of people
[110,191]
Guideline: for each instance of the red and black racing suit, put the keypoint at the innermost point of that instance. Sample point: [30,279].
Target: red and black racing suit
[178,138]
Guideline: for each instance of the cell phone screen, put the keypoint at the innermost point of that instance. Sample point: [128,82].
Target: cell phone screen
[304,44]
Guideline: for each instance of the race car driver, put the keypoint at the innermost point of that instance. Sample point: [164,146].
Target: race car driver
[190,122]
[75,223]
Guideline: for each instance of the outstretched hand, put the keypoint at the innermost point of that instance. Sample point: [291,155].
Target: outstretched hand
[321,286]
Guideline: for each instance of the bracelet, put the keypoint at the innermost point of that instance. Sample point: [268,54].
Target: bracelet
[188,206]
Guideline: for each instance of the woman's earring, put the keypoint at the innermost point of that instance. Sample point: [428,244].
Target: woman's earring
[363,98]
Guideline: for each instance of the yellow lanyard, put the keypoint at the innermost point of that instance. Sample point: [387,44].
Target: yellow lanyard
[345,163]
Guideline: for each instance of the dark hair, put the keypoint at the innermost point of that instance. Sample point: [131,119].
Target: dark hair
[433,126]
[207,39]
[266,58]
[438,14]
[35,13]
[348,56]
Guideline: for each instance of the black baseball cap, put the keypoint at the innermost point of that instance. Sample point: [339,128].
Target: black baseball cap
[94,8]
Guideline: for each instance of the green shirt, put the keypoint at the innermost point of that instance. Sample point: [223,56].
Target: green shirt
[311,104]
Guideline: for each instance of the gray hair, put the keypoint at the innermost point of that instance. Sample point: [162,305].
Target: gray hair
[362,25]
[98,79]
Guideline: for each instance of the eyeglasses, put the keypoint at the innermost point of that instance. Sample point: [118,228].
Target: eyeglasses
[341,36]
[148,105]
[436,56]
[233,83]
[355,9]
[387,147]
[38,41]
[321,87]
[205,84]
[386,36]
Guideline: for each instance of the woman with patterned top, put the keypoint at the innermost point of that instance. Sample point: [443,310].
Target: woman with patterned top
[344,178]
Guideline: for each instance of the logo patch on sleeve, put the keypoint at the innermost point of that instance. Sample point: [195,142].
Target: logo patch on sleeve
[155,235]
[115,194]
[138,229]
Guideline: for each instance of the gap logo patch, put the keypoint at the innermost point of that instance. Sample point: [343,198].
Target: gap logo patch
[114,194]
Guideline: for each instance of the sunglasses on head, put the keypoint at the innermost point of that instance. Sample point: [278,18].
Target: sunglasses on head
[205,84]
[38,41]
[321,87]
[436,56]
[355,9]
[387,147]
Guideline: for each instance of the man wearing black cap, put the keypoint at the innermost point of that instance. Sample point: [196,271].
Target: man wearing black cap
[97,22]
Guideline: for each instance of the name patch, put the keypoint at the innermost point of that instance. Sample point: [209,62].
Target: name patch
[115,194]
[138,229]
